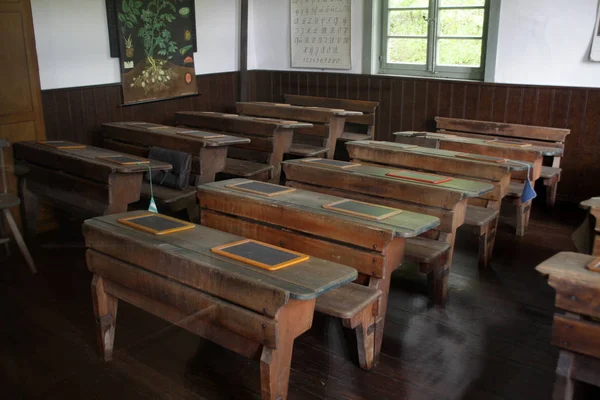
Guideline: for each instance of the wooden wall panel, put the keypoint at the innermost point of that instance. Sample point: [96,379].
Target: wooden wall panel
[412,103]
[77,113]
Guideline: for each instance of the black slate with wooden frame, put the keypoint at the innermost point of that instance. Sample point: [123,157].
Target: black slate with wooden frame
[261,255]
[62,144]
[261,188]
[362,209]
[324,162]
[124,160]
[156,223]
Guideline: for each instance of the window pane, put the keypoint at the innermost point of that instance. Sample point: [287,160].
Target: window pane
[407,51]
[410,23]
[446,3]
[461,22]
[459,52]
[408,3]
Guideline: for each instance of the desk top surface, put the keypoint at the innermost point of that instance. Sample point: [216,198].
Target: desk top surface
[158,130]
[405,224]
[594,202]
[545,151]
[302,281]
[279,123]
[437,153]
[292,108]
[43,155]
[467,188]
[572,267]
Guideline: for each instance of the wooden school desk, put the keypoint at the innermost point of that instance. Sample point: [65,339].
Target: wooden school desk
[137,137]
[328,123]
[446,201]
[270,139]
[592,244]
[576,330]
[482,212]
[302,221]
[249,310]
[77,181]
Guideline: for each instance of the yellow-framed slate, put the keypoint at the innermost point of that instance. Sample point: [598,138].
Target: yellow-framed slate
[199,134]
[259,254]
[362,209]
[481,157]
[513,143]
[417,176]
[123,159]
[157,224]
[261,188]
[62,144]
[325,162]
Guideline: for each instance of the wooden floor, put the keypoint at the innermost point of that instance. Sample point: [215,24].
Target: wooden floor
[490,342]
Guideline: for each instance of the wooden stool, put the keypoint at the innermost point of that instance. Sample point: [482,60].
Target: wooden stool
[8,201]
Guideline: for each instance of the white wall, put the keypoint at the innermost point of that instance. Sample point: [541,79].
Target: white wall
[543,42]
[269,35]
[547,42]
[73,50]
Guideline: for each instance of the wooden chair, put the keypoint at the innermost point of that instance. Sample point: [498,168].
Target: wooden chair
[8,201]
[533,135]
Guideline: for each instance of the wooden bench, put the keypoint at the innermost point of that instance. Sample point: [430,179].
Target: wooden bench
[270,139]
[532,156]
[177,277]
[482,212]
[321,139]
[208,157]
[446,201]
[298,220]
[533,135]
[576,328]
[357,127]
[76,181]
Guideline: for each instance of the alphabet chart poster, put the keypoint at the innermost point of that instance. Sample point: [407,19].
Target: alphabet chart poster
[321,34]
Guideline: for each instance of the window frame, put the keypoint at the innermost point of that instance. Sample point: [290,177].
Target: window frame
[430,68]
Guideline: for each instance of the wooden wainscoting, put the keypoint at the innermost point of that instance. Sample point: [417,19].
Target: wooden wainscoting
[77,113]
[413,103]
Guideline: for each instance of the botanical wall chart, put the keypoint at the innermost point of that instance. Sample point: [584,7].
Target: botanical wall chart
[156,49]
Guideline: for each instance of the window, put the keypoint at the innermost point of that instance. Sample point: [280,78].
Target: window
[444,38]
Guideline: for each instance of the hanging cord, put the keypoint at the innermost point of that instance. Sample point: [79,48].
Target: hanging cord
[528,190]
[152,206]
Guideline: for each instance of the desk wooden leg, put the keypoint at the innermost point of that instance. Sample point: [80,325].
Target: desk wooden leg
[3,236]
[105,310]
[29,210]
[212,160]
[365,325]
[19,239]
[551,189]
[394,254]
[487,238]
[293,319]
[437,284]
[564,385]
[523,212]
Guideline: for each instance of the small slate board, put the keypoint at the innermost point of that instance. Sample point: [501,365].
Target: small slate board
[156,223]
[594,265]
[262,188]
[324,162]
[391,145]
[62,144]
[123,160]
[510,143]
[260,254]
[199,134]
[481,157]
[419,177]
[361,209]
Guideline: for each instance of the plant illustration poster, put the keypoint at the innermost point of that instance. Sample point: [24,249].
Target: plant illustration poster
[156,49]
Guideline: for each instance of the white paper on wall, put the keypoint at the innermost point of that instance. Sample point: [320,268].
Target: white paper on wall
[595,51]
[321,34]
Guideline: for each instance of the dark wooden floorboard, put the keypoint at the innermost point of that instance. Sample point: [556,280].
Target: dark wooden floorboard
[491,341]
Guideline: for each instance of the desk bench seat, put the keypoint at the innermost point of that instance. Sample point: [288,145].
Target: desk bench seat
[485,222]
[307,150]
[247,169]
[550,172]
[357,306]
[431,256]
[172,200]
[351,137]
